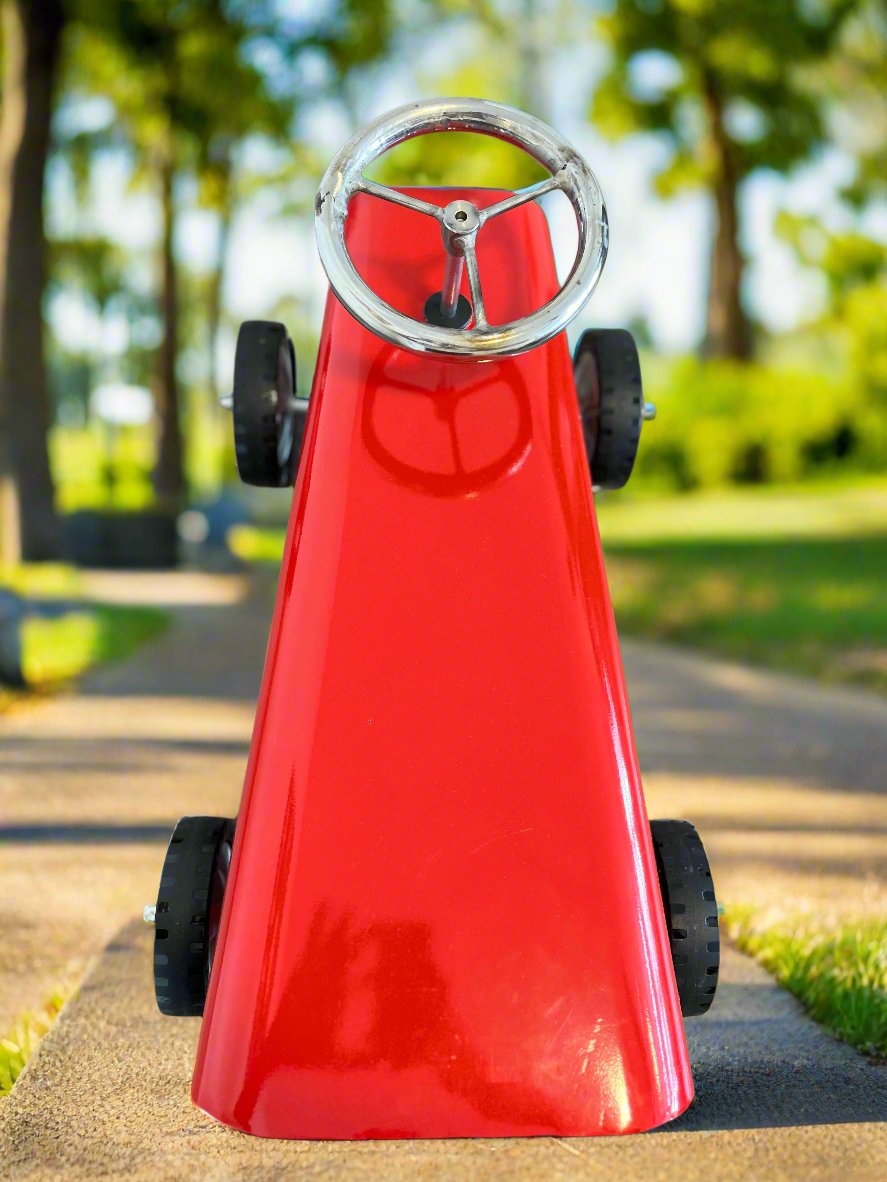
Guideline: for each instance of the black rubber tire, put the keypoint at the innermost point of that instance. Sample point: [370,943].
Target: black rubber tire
[189,903]
[267,439]
[691,912]
[607,370]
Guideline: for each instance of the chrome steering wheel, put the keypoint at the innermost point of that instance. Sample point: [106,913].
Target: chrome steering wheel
[460,222]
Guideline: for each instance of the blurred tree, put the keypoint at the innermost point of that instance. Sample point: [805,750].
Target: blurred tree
[854,267]
[499,50]
[93,263]
[96,267]
[346,39]
[462,158]
[186,86]
[728,86]
[855,84]
[32,32]
[350,36]
[263,105]
[850,257]
[521,36]
[218,191]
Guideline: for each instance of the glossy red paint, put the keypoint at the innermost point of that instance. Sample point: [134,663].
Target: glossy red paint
[443,916]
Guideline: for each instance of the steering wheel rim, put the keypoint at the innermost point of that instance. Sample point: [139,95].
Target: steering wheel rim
[569,172]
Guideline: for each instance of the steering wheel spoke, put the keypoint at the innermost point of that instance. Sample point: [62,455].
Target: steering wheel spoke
[477,296]
[521,197]
[396,197]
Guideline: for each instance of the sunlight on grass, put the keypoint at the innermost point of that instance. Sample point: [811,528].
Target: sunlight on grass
[55,650]
[790,580]
[839,976]
[20,1043]
[750,513]
[40,580]
[253,544]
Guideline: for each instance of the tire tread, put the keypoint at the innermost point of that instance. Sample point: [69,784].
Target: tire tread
[181,924]
[691,912]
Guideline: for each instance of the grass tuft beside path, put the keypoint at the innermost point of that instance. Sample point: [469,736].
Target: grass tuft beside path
[20,1043]
[839,976]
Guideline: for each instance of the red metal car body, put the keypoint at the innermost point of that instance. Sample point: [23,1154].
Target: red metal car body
[443,916]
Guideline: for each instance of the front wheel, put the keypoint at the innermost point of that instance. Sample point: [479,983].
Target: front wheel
[691,912]
[188,912]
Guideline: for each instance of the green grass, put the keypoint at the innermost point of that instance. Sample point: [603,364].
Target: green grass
[56,650]
[832,510]
[839,976]
[789,579]
[255,544]
[43,580]
[20,1043]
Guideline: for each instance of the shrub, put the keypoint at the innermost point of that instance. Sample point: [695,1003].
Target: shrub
[723,422]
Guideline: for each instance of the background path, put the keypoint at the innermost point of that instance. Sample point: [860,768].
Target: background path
[785,781]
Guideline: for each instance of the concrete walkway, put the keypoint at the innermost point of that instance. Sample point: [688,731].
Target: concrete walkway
[107,1097]
[785,781]
[92,782]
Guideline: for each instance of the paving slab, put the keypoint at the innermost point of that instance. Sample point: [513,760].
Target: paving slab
[107,1096]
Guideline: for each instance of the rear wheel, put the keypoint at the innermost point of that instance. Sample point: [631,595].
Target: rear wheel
[607,371]
[691,912]
[188,912]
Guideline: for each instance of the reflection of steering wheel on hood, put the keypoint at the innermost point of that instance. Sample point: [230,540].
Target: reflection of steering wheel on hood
[444,390]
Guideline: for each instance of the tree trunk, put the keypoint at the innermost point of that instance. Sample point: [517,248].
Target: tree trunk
[217,285]
[29,526]
[169,476]
[728,331]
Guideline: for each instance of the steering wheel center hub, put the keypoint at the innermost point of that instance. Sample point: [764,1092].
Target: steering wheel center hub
[459,219]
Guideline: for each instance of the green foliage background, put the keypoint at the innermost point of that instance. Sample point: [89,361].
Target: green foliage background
[723,422]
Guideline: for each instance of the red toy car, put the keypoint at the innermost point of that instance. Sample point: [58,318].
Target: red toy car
[446,913]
